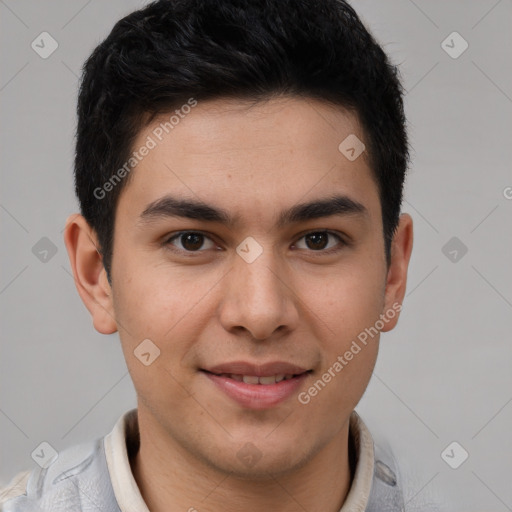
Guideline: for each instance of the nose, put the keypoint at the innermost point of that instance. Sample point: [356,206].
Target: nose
[259,298]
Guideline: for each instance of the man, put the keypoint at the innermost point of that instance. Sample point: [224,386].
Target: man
[239,167]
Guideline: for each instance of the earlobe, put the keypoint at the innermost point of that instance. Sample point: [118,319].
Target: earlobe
[89,274]
[396,281]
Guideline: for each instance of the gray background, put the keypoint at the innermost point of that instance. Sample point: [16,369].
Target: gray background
[444,374]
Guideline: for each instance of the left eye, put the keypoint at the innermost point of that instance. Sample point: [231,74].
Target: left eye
[191,241]
[318,240]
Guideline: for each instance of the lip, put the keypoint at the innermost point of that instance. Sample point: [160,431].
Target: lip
[258,370]
[257,396]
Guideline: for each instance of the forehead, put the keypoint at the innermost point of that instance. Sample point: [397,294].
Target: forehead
[286,124]
[251,155]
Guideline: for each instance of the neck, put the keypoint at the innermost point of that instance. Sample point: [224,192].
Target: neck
[171,479]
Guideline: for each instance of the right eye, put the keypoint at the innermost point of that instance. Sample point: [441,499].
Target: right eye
[190,241]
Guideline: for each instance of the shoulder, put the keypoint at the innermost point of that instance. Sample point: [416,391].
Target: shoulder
[383,482]
[396,483]
[77,479]
[16,487]
[376,485]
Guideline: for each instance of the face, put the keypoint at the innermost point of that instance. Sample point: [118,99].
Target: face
[254,286]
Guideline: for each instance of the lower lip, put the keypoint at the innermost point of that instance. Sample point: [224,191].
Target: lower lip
[258,396]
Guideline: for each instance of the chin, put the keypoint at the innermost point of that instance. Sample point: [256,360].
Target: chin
[251,463]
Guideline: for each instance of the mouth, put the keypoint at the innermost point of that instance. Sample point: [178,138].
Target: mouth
[257,386]
[254,379]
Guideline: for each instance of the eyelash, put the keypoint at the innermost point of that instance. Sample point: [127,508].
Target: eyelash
[332,250]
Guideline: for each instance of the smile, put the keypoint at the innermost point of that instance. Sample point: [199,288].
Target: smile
[258,392]
[253,379]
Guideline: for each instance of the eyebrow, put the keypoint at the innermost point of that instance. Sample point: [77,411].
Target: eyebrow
[169,206]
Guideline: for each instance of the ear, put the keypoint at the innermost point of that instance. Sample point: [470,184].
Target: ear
[401,248]
[89,274]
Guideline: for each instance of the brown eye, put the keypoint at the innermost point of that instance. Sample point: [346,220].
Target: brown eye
[190,241]
[319,241]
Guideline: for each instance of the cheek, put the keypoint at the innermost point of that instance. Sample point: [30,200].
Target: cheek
[346,302]
[347,307]
[166,306]
[348,311]
[152,296]
[155,310]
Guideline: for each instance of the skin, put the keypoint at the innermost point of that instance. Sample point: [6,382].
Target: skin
[294,303]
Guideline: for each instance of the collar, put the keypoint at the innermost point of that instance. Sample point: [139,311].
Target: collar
[124,439]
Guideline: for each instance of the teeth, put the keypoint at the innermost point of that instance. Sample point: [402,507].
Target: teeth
[253,379]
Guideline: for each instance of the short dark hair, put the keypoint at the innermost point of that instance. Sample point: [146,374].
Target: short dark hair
[159,57]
